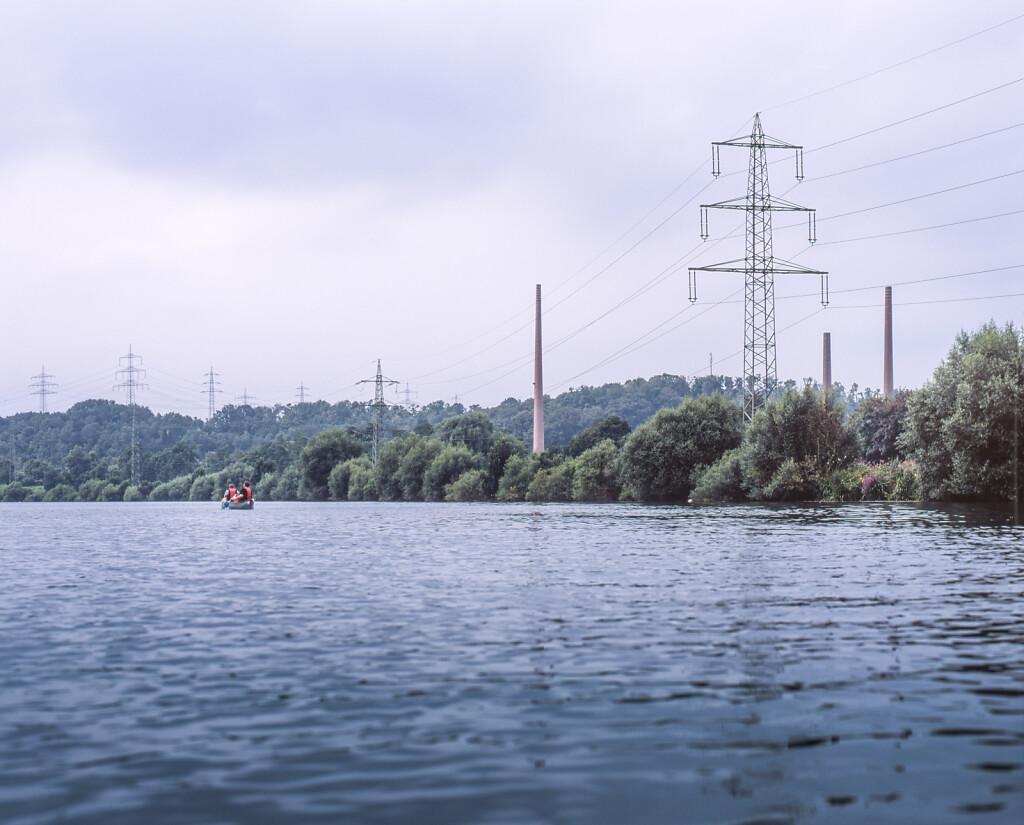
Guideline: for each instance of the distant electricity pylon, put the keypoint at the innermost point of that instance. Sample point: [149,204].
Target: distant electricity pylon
[301,392]
[407,395]
[131,377]
[759,266]
[210,388]
[245,400]
[378,406]
[42,386]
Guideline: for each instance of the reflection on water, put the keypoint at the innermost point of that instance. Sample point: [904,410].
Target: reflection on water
[377,663]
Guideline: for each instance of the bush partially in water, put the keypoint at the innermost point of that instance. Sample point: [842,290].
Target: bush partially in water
[470,486]
[877,481]
[659,458]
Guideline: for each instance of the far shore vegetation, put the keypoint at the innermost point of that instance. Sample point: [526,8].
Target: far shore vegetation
[665,439]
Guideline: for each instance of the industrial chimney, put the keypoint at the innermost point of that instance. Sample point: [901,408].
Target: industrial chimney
[538,387]
[887,370]
[826,361]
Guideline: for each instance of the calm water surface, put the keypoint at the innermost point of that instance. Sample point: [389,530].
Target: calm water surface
[403,663]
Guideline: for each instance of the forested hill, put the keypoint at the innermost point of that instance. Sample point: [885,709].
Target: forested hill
[170,442]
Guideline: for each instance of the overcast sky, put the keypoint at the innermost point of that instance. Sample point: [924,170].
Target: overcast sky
[288,191]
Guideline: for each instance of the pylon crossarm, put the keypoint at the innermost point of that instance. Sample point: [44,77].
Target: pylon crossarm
[767,143]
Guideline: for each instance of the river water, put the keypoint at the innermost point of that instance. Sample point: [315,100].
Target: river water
[422,663]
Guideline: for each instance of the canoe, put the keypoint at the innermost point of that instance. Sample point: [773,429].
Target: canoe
[237,505]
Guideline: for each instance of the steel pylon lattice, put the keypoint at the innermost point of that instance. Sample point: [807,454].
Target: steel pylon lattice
[379,406]
[759,265]
[42,386]
[131,382]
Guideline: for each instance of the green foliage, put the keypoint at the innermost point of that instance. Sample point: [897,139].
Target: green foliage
[113,492]
[660,458]
[553,483]
[515,480]
[613,427]
[723,480]
[470,486]
[203,488]
[446,467]
[473,430]
[133,494]
[177,489]
[595,474]
[341,476]
[362,483]
[792,446]
[879,423]
[15,491]
[390,481]
[322,454]
[503,448]
[413,467]
[879,481]
[959,428]
[61,492]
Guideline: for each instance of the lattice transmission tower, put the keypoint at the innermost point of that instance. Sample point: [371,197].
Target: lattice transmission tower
[210,388]
[301,391]
[42,386]
[245,400]
[131,382]
[379,406]
[759,265]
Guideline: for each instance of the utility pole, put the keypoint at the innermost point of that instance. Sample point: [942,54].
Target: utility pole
[759,265]
[301,392]
[131,382]
[538,381]
[887,388]
[42,387]
[378,406]
[211,385]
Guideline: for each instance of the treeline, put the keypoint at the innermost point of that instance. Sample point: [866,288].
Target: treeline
[952,439]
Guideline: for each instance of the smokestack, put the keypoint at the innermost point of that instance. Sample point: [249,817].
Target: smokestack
[826,361]
[887,370]
[538,387]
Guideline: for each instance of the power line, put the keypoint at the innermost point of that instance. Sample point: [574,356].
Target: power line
[923,228]
[921,197]
[893,65]
[915,117]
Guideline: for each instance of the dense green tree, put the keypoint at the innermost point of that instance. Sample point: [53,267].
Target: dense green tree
[959,427]
[321,455]
[792,445]
[390,484]
[660,458]
[596,471]
[470,486]
[473,430]
[612,427]
[338,482]
[446,467]
[172,462]
[362,483]
[552,483]
[879,423]
[414,466]
[36,471]
[503,448]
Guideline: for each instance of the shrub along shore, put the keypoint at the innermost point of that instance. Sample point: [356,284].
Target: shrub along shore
[953,439]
